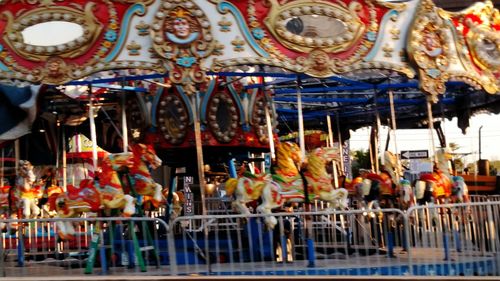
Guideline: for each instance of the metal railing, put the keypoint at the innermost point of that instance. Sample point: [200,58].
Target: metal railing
[444,240]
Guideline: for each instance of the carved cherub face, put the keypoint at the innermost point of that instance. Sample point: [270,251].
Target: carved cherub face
[181,28]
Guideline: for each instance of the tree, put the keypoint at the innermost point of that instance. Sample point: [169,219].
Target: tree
[458,164]
[360,160]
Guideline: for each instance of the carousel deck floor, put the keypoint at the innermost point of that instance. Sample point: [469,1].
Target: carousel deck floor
[425,261]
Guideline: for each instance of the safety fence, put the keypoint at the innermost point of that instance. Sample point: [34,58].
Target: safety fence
[443,240]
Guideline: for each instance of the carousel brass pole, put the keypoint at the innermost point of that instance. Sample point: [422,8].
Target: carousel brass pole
[341,146]
[330,144]
[431,126]
[93,135]
[199,150]
[64,164]
[124,119]
[301,119]
[393,125]
[377,142]
[269,124]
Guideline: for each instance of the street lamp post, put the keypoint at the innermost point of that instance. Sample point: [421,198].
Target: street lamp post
[480,142]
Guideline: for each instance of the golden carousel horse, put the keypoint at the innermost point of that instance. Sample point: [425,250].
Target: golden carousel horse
[104,193]
[319,184]
[248,187]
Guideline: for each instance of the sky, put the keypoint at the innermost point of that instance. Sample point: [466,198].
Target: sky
[419,139]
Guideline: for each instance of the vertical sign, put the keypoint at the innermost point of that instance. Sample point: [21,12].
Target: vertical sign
[188,194]
[346,158]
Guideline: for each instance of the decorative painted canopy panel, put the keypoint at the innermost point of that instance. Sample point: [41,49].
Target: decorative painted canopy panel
[320,38]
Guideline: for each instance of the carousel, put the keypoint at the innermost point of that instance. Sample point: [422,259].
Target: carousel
[203,133]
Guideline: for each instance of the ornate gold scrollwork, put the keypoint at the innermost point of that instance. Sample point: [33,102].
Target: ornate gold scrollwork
[182,36]
[428,47]
[478,45]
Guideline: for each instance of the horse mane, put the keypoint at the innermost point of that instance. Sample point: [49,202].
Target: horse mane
[315,164]
[284,155]
[442,155]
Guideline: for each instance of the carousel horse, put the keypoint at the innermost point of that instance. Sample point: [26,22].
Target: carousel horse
[50,190]
[460,191]
[4,202]
[145,159]
[25,195]
[380,190]
[248,187]
[406,196]
[289,187]
[178,201]
[103,193]
[435,187]
[440,187]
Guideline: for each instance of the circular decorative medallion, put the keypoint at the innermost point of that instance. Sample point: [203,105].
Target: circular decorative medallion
[222,117]
[173,119]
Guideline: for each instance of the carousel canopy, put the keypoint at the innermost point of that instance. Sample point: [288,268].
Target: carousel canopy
[345,58]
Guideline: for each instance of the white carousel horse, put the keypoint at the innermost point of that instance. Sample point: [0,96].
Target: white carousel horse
[246,189]
[319,185]
[25,195]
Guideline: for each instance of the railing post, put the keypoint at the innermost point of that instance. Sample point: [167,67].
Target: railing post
[491,227]
[406,229]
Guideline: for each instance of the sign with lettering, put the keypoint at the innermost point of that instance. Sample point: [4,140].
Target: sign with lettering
[414,154]
[188,195]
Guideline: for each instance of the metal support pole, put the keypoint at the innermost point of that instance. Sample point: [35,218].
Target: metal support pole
[124,119]
[431,126]
[64,160]
[93,135]
[341,145]
[393,129]
[199,150]
[301,119]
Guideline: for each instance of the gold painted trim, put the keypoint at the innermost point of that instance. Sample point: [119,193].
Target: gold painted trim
[84,18]
[277,16]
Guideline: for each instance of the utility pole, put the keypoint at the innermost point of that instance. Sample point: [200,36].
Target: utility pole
[480,142]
